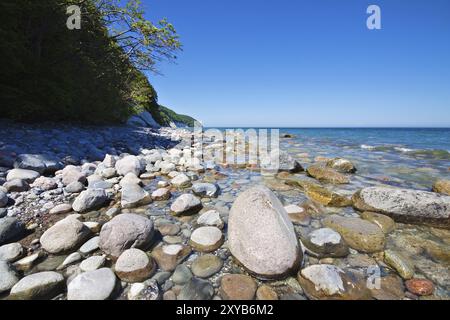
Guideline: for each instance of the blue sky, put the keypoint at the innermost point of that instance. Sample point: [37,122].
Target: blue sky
[295,63]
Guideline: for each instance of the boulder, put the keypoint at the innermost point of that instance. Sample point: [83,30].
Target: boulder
[205,190]
[442,186]
[237,287]
[11,252]
[16,185]
[90,199]
[126,231]
[186,204]
[72,174]
[261,236]
[133,196]
[44,183]
[133,265]
[405,205]
[22,174]
[326,242]
[38,286]
[38,162]
[326,174]
[181,181]
[65,235]
[341,165]
[99,284]
[206,239]
[128,164]
[10,229]
[359,234]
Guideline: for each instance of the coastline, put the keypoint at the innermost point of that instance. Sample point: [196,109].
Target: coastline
[301,194]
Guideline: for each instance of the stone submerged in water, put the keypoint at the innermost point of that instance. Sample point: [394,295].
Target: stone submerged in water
[328,282]
[261,236]
[65,235]
[406,205]
[237,287]
[196,289]
[206,265]
[90,199]
[326,242]
[401,264]
[442,186]
[42,285]
[92,285]
[126,231]
[382,221]
[326,174]
[320,194]
[420,287]
[359,234]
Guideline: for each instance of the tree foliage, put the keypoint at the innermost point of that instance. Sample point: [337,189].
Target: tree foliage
[94,74]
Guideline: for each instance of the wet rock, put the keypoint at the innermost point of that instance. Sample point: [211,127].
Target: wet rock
[133,265]
[205,190]
[10,229]
[442,186]
[11,252]
[237,287]
[181,181]
[326,174]
[182,274]
[324,281]
[126,231]
[206,265]
[161,194]
[42,285]
[134,196]
[401,264]
[16,185]
[3,199]
[289,164]
[61,208]
[390,287]
[420,287]
[341,165]
[38,162]
[326,242]
[186,204]
[260,234]
[93,285]
[266,292]
[210,218]
[92,263]
[65,235]
[206,239]
[196,289]
[22,174]
[169,256]
[147,290]
[90,199]
[382,221]
[359,234]
[28,262]
[405,205]
[8,277]
[128,164]
[319,193]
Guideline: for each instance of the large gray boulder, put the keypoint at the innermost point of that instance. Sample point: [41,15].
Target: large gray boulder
[22,174]
[65,235]
[126,231]
[261,236]
[98,284]
[128,164]
[42,285]
[406,205]
[10,229]
[90,199]
[38,162]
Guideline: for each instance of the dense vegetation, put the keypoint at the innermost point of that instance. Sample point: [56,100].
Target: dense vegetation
[92,74]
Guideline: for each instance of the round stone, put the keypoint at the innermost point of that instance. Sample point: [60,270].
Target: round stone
[326,242]
[92,263]
[61,208]
[186,204]
[133,265]
[161,194]
[237,287]
[41,285]
[8,277]
[11,252]
[169,256]
[206,265]
[206,239]
[181,275]
[93,285]
[420,287]
[266,292]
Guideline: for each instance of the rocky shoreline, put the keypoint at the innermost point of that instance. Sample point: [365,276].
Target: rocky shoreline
[128,213]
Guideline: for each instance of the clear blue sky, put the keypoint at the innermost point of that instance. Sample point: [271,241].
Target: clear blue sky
[296,63]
